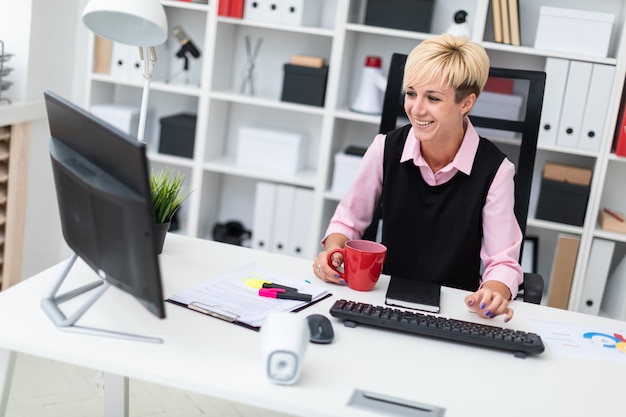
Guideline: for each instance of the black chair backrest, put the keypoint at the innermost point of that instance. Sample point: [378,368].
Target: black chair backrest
[526,128]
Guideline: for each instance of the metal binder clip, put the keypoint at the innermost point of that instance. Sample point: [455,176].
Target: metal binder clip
[213,312]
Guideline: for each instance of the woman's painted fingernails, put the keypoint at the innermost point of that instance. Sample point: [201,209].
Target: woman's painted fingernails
[482,305]
[342,282]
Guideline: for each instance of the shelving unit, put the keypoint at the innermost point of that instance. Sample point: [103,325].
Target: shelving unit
[225,191]
[15,131]
[5,136]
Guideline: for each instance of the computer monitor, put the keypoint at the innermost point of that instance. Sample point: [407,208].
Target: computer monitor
[105,205]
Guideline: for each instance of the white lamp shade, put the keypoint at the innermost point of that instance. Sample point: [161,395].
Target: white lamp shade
[131,22]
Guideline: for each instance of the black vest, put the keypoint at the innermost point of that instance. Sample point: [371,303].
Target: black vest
[434,233]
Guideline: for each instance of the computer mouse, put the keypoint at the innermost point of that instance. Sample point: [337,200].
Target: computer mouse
[321,329]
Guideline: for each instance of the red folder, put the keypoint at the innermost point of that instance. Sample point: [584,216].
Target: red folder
[236,8]
[499,85]
[223,8]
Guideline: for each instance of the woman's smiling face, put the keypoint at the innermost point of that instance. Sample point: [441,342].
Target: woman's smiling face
[434,112]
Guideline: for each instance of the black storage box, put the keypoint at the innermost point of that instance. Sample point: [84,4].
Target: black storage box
[564,194]
[177,135]
[562,202]
[414,15]
[304,85]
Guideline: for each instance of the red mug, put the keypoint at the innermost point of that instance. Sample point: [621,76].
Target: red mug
[362,263]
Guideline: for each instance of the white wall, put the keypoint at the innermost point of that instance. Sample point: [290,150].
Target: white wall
[15,34]
[44,36]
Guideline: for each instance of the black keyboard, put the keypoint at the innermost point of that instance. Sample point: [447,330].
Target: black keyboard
[522,343]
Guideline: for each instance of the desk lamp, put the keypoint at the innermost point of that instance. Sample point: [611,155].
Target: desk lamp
[139,23]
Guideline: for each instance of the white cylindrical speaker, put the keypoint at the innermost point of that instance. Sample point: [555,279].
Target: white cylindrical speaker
[284,338]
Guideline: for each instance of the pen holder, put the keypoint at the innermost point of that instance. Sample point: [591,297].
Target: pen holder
[284,338]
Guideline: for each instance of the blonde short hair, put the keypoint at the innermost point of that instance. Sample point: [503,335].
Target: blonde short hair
[460,63]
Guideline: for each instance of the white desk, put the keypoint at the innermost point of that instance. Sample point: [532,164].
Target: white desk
[216,358]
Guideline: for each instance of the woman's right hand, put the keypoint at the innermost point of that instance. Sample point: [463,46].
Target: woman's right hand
[321,268]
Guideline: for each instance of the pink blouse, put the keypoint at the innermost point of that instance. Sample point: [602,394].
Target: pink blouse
[502,237]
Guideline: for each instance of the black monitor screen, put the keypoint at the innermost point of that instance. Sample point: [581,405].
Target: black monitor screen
[105,204]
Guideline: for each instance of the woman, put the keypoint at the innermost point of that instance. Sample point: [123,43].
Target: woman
[447,194]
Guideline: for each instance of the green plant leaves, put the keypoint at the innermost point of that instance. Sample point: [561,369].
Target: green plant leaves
[166,188]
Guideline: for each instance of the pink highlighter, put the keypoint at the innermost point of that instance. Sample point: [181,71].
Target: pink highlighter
[284,295]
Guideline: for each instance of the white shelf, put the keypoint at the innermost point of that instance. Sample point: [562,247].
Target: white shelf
[526,50]
[200,7]
[347,114]
[228,166]
[617,159]
[398,33]
[554,226]
[223,189]
[155,85]
[170,160]
[267,102]
[307,30]
[565,150]
[22,112]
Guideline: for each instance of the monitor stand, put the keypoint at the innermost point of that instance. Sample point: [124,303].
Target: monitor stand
[51,301]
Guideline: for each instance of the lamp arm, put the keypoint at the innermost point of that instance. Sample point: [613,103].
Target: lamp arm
[148,56]
[143,110]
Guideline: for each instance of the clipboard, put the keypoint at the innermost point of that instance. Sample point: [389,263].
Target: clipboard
[228,298]
[231,317]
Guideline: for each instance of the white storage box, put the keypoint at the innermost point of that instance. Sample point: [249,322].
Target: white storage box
[300,12]
[576,31]
[501,106]
[346,168]
[126,63]
[287,12]
[271,149]
[122,116]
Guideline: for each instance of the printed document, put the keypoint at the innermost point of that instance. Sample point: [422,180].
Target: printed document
[231,298]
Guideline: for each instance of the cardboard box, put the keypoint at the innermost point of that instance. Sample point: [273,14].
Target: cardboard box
[613,221]
[271,149]
[563,271]
[178,133]
[576,31]
[564,194]
[567,173]
[304,84]
[346,168]
[413,15]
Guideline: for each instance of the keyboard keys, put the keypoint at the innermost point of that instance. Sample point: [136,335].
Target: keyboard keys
[437,326]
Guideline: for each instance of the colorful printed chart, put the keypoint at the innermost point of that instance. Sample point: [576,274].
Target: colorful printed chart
[583,341]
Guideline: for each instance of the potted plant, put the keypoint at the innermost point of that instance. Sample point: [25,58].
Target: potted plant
[167,196]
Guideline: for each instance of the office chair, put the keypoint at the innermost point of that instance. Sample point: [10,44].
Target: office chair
[393,108]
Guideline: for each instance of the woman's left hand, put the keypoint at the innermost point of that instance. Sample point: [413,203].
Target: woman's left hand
[489,303]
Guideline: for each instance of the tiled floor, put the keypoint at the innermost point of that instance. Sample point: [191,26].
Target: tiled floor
[44,388]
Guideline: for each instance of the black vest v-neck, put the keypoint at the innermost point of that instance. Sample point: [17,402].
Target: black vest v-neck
[434,233]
